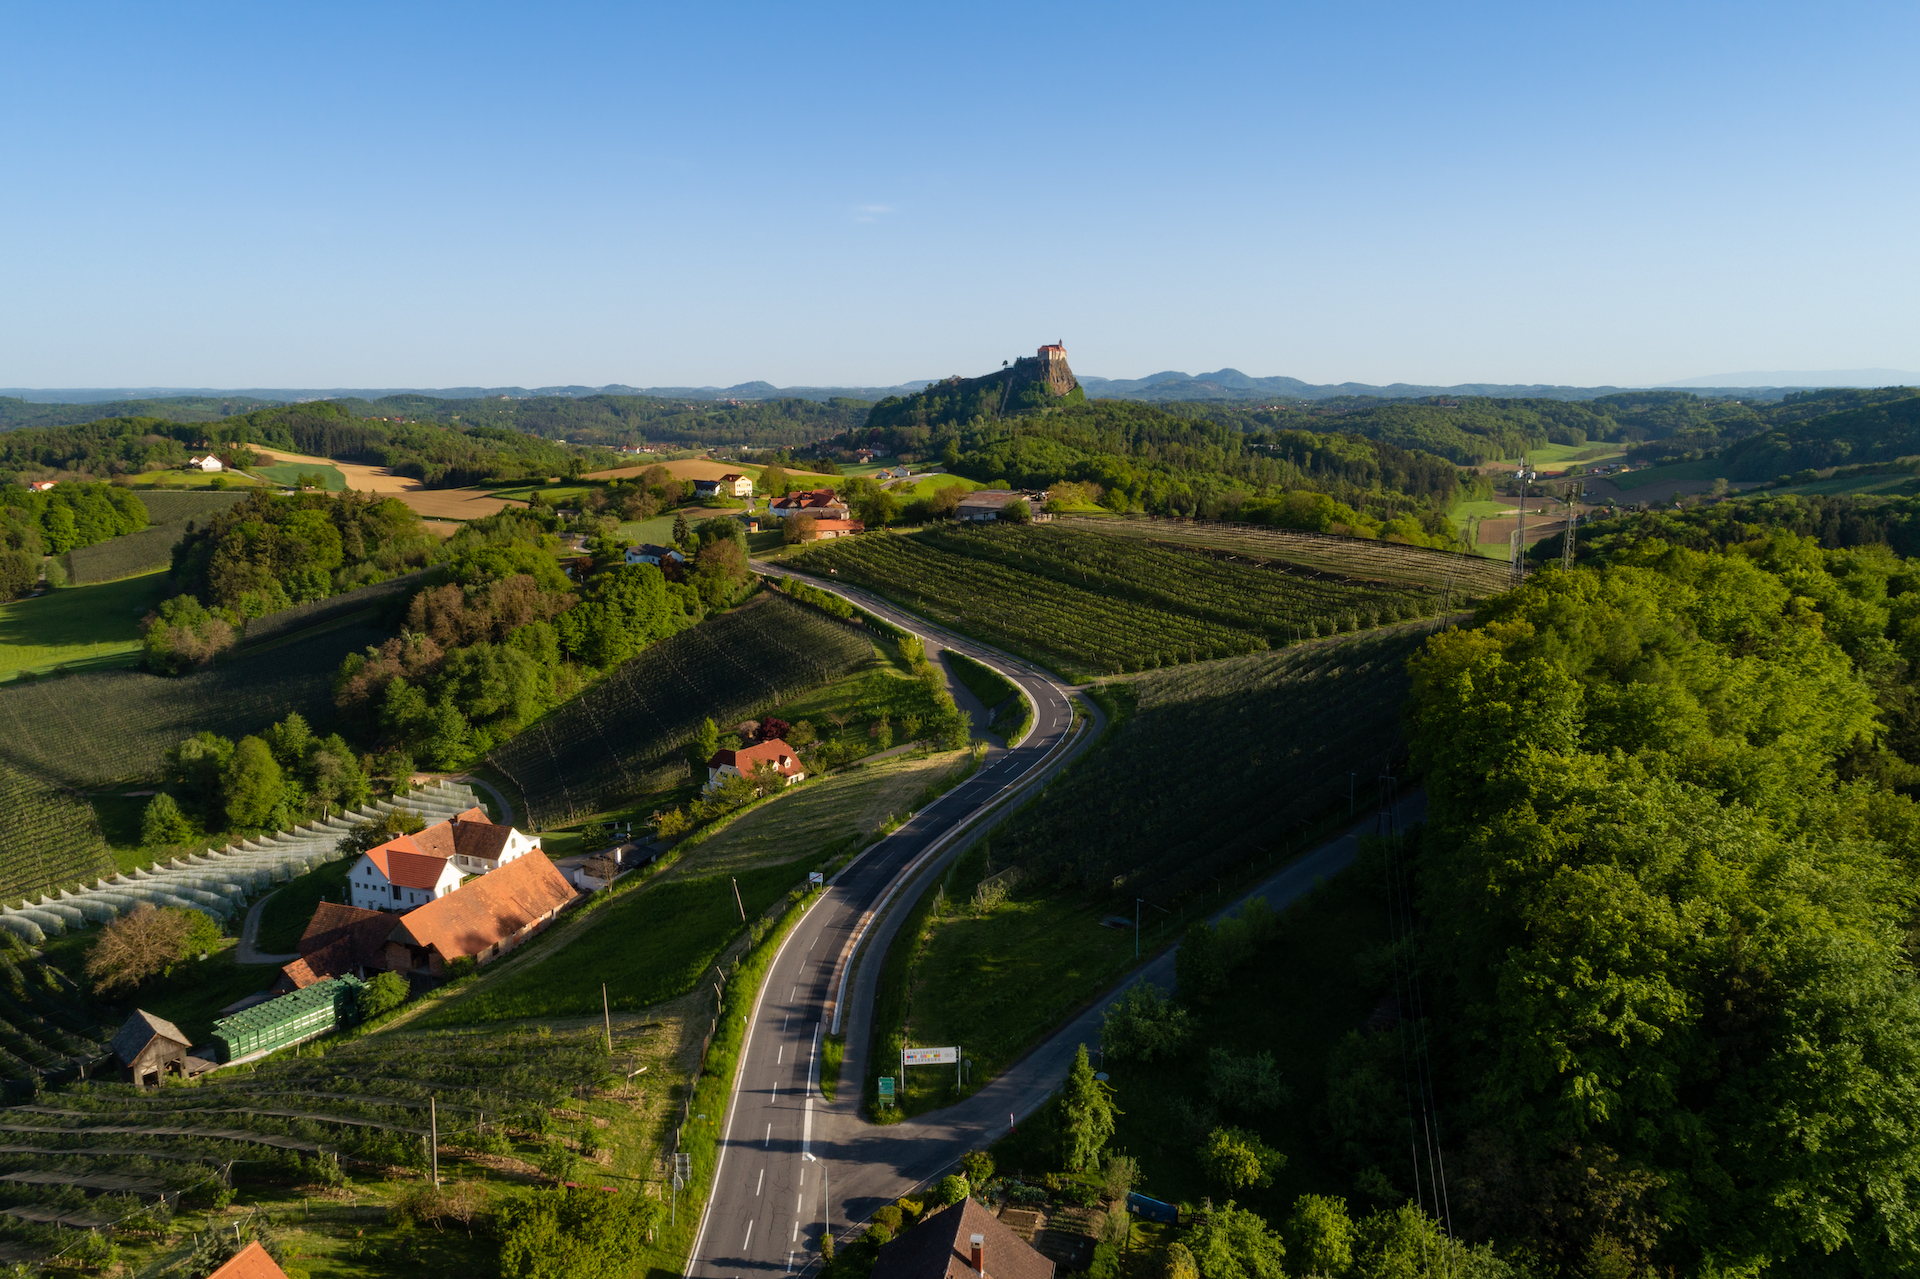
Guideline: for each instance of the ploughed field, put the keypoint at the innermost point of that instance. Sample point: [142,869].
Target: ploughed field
[1088,602]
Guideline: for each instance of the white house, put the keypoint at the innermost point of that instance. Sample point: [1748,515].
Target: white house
[207,463]
[651,554]
[398,875]
[473,844]
[736,485]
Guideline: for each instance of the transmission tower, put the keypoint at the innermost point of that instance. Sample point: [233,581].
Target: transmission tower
[1525,475]
[1570,497]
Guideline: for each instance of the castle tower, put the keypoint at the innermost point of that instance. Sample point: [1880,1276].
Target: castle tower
[1053,368]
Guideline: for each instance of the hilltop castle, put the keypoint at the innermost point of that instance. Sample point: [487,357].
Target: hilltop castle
[1049,365]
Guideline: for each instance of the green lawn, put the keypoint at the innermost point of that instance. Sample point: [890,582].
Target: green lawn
[1591,452]
[290,909]
[91,624]
[649,945]
[1707,468]
[288,474]
[932,484]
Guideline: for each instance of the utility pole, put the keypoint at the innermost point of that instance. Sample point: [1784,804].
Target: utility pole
[737,902]
[826,1190]
[606,1012]
[433,1126]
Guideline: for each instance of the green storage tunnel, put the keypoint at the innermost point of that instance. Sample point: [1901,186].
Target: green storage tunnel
[317,1009]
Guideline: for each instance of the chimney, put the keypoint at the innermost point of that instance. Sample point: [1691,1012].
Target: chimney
[979,1243]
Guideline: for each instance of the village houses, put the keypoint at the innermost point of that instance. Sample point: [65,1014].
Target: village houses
[648,553]
[412,870]
[207,463]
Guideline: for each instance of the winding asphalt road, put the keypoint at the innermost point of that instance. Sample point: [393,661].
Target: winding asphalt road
[770,1201]
[767,1209]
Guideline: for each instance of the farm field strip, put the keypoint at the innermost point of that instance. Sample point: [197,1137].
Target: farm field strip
[1359,558]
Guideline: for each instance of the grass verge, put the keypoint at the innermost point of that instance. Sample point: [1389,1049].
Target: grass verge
[833,1051]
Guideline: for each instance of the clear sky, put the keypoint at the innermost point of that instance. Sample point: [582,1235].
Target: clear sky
[410,195]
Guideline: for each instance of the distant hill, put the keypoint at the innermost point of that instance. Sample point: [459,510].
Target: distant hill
[1032,382]
[104,398]
[1800,379]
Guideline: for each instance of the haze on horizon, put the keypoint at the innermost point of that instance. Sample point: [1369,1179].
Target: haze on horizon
[669,195]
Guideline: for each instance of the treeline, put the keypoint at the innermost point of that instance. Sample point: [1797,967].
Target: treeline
[16,413]
[1835,522]
[441,456]
[954,401]
[615,420]
[1880,430]
[55,521]
[1665,894]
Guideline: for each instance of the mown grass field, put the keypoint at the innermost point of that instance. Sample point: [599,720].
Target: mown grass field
[650,945]
[1708,468]
[287,474]
[1299,997]
[1854,486]
[79,624]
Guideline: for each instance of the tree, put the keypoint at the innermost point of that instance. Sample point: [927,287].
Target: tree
[290,739]
[202,937]
[1231,1243]
[163,823]
[1320,1234]
[573,1233]
[385,992]
[1244,1083]
[772,729]
[19,574]
[251,784]
[1017,511]
[1086,1113]
[1199,967]
[952,1190]
[719,571]
[136,946]
[371,834]
[1145,1026]
[1237,1159]
[181,635]
[977,1167]
[704,744]
[682,532]
[1120,1175]
[796,529]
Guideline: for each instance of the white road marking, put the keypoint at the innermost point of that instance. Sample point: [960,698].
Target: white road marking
[780,1056]
[794,993]
[748,1239]
[796,1206]
[796,1233]
[769,1135]
[790,1253]
[763,1181]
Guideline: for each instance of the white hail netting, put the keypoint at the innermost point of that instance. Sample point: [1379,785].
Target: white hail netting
[220,882]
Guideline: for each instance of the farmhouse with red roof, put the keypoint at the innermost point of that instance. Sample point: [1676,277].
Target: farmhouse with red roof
[742,763]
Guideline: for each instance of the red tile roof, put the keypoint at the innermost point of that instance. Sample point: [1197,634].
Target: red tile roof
[405,863]
[837,526]
[251,1262]
[775,752]
[338,940]
[493,908]
[468,834]
[941,1247]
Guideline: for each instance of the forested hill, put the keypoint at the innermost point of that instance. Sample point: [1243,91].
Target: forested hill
[1880,429]
[614,420]
[16,413]
[441,456]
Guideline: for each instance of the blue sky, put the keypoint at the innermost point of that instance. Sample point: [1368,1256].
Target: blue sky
[412,195]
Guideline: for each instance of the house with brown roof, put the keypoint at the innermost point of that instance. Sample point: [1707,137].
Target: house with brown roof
[474,844]
[340,941]
[743,763]
[822,504]
[964,1241]
[399,875]
[484,920]
[822,530]
[251,1262]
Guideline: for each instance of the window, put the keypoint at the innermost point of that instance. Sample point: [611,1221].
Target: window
[396,892]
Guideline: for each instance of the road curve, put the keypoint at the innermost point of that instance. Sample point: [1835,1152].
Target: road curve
[769,1204]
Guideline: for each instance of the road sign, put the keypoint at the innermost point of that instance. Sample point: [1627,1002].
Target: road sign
[886,1085]
[815,877]
[682,1170]
[929,1056]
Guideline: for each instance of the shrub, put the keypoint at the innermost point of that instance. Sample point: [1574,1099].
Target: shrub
[384,993]
[977,1167]
[1237,1159]
[163,823]
[576,1232]
[1145,1026]
[952,1190]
